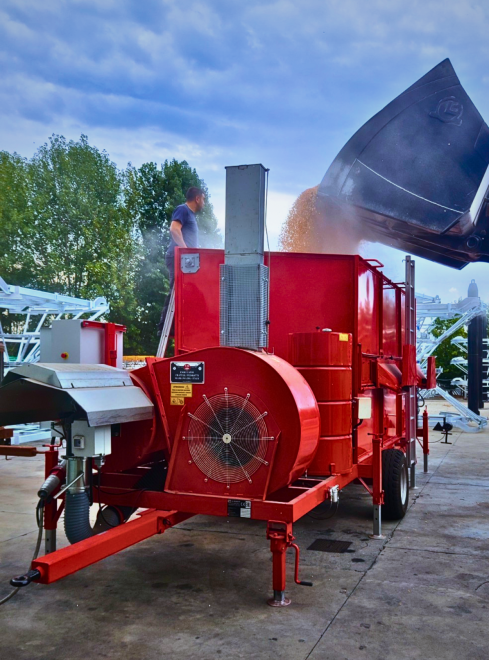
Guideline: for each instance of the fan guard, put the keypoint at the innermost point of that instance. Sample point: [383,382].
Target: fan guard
[228,438]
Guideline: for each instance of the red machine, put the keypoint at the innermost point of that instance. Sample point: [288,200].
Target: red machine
[261,435]
[326,397]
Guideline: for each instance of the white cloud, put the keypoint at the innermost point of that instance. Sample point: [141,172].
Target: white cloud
[281,82]
[279,205]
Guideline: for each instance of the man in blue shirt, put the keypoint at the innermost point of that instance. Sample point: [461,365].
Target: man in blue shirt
[184,232]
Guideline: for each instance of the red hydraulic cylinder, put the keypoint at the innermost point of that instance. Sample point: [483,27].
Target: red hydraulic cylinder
[278,547]
[69,560]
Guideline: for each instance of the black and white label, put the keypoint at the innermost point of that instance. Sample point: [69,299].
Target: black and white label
[239,509]
[187,372]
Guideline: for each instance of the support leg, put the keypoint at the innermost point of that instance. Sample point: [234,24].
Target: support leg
[377,533]
[378,493]
[412,478]
[50,510]
[280,535]
[426,445]
[49,541]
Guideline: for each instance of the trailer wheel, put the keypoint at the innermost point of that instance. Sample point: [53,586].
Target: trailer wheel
[395,484]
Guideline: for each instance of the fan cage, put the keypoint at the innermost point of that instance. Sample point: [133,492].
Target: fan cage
[228,438]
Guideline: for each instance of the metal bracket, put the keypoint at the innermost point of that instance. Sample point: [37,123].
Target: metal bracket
[190,263]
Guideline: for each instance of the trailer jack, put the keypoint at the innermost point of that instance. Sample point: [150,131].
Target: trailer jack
[281,538]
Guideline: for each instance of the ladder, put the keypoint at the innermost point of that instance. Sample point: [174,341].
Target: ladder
[411,397]
[165,333]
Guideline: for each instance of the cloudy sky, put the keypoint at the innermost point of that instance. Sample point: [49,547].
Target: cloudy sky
[221,82]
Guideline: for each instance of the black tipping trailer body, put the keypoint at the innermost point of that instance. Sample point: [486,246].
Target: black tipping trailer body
[416,175]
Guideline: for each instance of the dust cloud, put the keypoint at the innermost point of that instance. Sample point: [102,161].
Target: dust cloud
[316,224]
[313,226]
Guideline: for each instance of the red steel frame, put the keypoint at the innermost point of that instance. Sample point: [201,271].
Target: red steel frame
[110,338]
[164,510]
[289,504]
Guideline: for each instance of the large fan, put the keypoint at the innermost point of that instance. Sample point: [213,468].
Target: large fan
[228,437]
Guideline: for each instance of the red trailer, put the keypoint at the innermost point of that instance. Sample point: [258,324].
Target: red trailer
[266,435]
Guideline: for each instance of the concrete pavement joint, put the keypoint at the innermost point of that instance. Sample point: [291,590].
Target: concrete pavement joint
[340,608]
[381,549]
[440,552]
[12,538]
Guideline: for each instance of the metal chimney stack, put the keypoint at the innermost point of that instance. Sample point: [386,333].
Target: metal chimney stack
[244,277]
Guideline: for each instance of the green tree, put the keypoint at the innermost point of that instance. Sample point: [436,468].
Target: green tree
[82,236]
[65,227]
[15,218]
[179,177]
[152,193]
[446,351]
[73,223]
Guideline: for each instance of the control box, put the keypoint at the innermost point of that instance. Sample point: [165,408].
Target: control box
[74,342]
[90,440]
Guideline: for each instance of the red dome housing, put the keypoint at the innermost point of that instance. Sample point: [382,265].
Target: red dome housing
[249,429]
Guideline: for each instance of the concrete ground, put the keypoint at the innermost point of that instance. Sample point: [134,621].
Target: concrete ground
[199,590]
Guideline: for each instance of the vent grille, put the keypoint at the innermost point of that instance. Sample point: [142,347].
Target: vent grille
[244,306]
[228,438]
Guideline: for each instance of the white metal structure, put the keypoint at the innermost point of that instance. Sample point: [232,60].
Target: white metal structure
[33,308]
[428,309]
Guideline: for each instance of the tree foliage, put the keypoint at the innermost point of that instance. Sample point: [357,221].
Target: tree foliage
[152,193]
[15,217]
[81,235]
[73,223]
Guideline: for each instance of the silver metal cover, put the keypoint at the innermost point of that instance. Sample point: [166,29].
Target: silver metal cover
[113,405]
[24,400]
[71,376]
[244,306]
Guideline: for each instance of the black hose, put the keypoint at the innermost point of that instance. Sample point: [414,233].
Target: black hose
[77,517]
[77,506]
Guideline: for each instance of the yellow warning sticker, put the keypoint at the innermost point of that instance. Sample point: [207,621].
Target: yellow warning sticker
[177,401]
[343,336]
[181,389]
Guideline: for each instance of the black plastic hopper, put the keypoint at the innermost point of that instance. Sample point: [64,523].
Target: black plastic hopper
[416,174]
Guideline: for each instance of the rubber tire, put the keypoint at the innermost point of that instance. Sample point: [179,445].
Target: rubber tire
[394,472]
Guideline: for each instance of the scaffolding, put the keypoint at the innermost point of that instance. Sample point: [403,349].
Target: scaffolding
[32,310]
[430,308]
